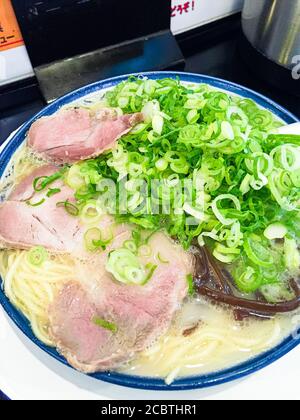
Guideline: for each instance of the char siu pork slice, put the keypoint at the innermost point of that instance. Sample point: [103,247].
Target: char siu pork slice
[24,226]
[75,134]
[141,314]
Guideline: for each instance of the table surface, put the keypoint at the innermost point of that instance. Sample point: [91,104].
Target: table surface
[219,58]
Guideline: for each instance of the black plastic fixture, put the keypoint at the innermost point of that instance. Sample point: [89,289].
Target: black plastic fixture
[75,42]
[266,69]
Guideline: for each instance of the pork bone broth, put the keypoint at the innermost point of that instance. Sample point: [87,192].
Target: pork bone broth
[218,342]
[198,275]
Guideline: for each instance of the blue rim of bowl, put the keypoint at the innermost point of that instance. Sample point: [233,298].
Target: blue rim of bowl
[149,383]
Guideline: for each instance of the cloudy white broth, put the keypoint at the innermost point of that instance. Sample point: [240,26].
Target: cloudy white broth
[160,230]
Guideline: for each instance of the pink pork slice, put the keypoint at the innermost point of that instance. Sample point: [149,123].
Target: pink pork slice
[23,226]
[140,313]
[75,134]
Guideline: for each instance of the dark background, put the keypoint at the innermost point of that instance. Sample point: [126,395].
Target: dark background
[72,27]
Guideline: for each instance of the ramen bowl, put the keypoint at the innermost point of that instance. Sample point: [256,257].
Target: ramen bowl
[151,383]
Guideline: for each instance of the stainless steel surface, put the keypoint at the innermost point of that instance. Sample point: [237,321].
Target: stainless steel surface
[158,51]
[273,28]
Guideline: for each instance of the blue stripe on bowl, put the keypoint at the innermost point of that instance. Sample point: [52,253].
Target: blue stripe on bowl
[185,383]
[3,396]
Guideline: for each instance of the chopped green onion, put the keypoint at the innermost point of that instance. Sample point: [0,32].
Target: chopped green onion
[227,130]
[135,169]
[53,191]
[75,178]
[275,231]
[217,212]
[37,256]
[150,109]
[243,179]
[248,281]
[134,275]
[39,203]
[123,102]
[276,293]
[40,183]
[99,322]
[145,250]
[287,156]
[256,252]
[291,254]
[274,140]
[131,245]
[139,128]
[137,237]
[126,267]
[161,259]
[225,254]
[94,240]
[192,116]
[197,214]
[261,119]
[190,282]
[70,208]
[91,212]
[161,164]
[237,116]
[191,135]
[158,124]
[151,268]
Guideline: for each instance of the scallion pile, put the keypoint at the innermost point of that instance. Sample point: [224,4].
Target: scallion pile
[245,194]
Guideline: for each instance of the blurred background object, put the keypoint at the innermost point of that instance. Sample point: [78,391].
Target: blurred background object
[273,28]
[192,14]
[272,45]
[205,37]
[75,42]
[14,60]
[72,43]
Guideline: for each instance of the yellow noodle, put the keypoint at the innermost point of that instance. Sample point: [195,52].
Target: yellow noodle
[218,342]
[172,375]
[32,289]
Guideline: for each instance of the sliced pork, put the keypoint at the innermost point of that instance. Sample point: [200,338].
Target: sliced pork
[75,134]
[24,226]
[140,313]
